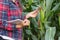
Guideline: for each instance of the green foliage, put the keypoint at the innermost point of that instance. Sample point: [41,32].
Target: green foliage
[48,17]
[50,33]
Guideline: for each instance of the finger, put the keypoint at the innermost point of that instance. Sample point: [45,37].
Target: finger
[13,0]
[28,16]
[26,23]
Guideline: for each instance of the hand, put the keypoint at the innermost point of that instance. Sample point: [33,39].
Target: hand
[20,23]
[33,14]
[26,22]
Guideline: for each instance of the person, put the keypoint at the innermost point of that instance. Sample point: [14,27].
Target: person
[12,10]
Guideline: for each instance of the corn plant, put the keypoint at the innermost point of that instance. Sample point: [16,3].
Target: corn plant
[46,26]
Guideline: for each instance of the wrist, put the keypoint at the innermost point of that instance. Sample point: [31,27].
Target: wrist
[19,25]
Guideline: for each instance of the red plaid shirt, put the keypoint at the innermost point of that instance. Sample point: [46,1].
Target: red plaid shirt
[10,11]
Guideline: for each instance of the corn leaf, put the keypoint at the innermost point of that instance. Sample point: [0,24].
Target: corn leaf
[50,33]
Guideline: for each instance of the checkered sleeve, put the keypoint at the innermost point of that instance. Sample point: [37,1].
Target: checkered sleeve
[10,11]
[4,7]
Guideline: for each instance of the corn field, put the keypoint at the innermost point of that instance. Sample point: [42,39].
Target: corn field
[46,26]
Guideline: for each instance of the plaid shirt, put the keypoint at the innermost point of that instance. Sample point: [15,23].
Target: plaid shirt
[10,11]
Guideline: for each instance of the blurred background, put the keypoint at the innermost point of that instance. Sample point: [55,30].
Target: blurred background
[46,26]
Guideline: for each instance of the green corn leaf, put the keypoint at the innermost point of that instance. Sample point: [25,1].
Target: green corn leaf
[50,33]
[28,32]
[34,22]
[49,4]
[30,2]
[34,37]
[48,7]
[59,20]
[56,7]
[59,38]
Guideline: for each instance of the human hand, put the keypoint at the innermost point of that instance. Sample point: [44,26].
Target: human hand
[26,22]
[33,14]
